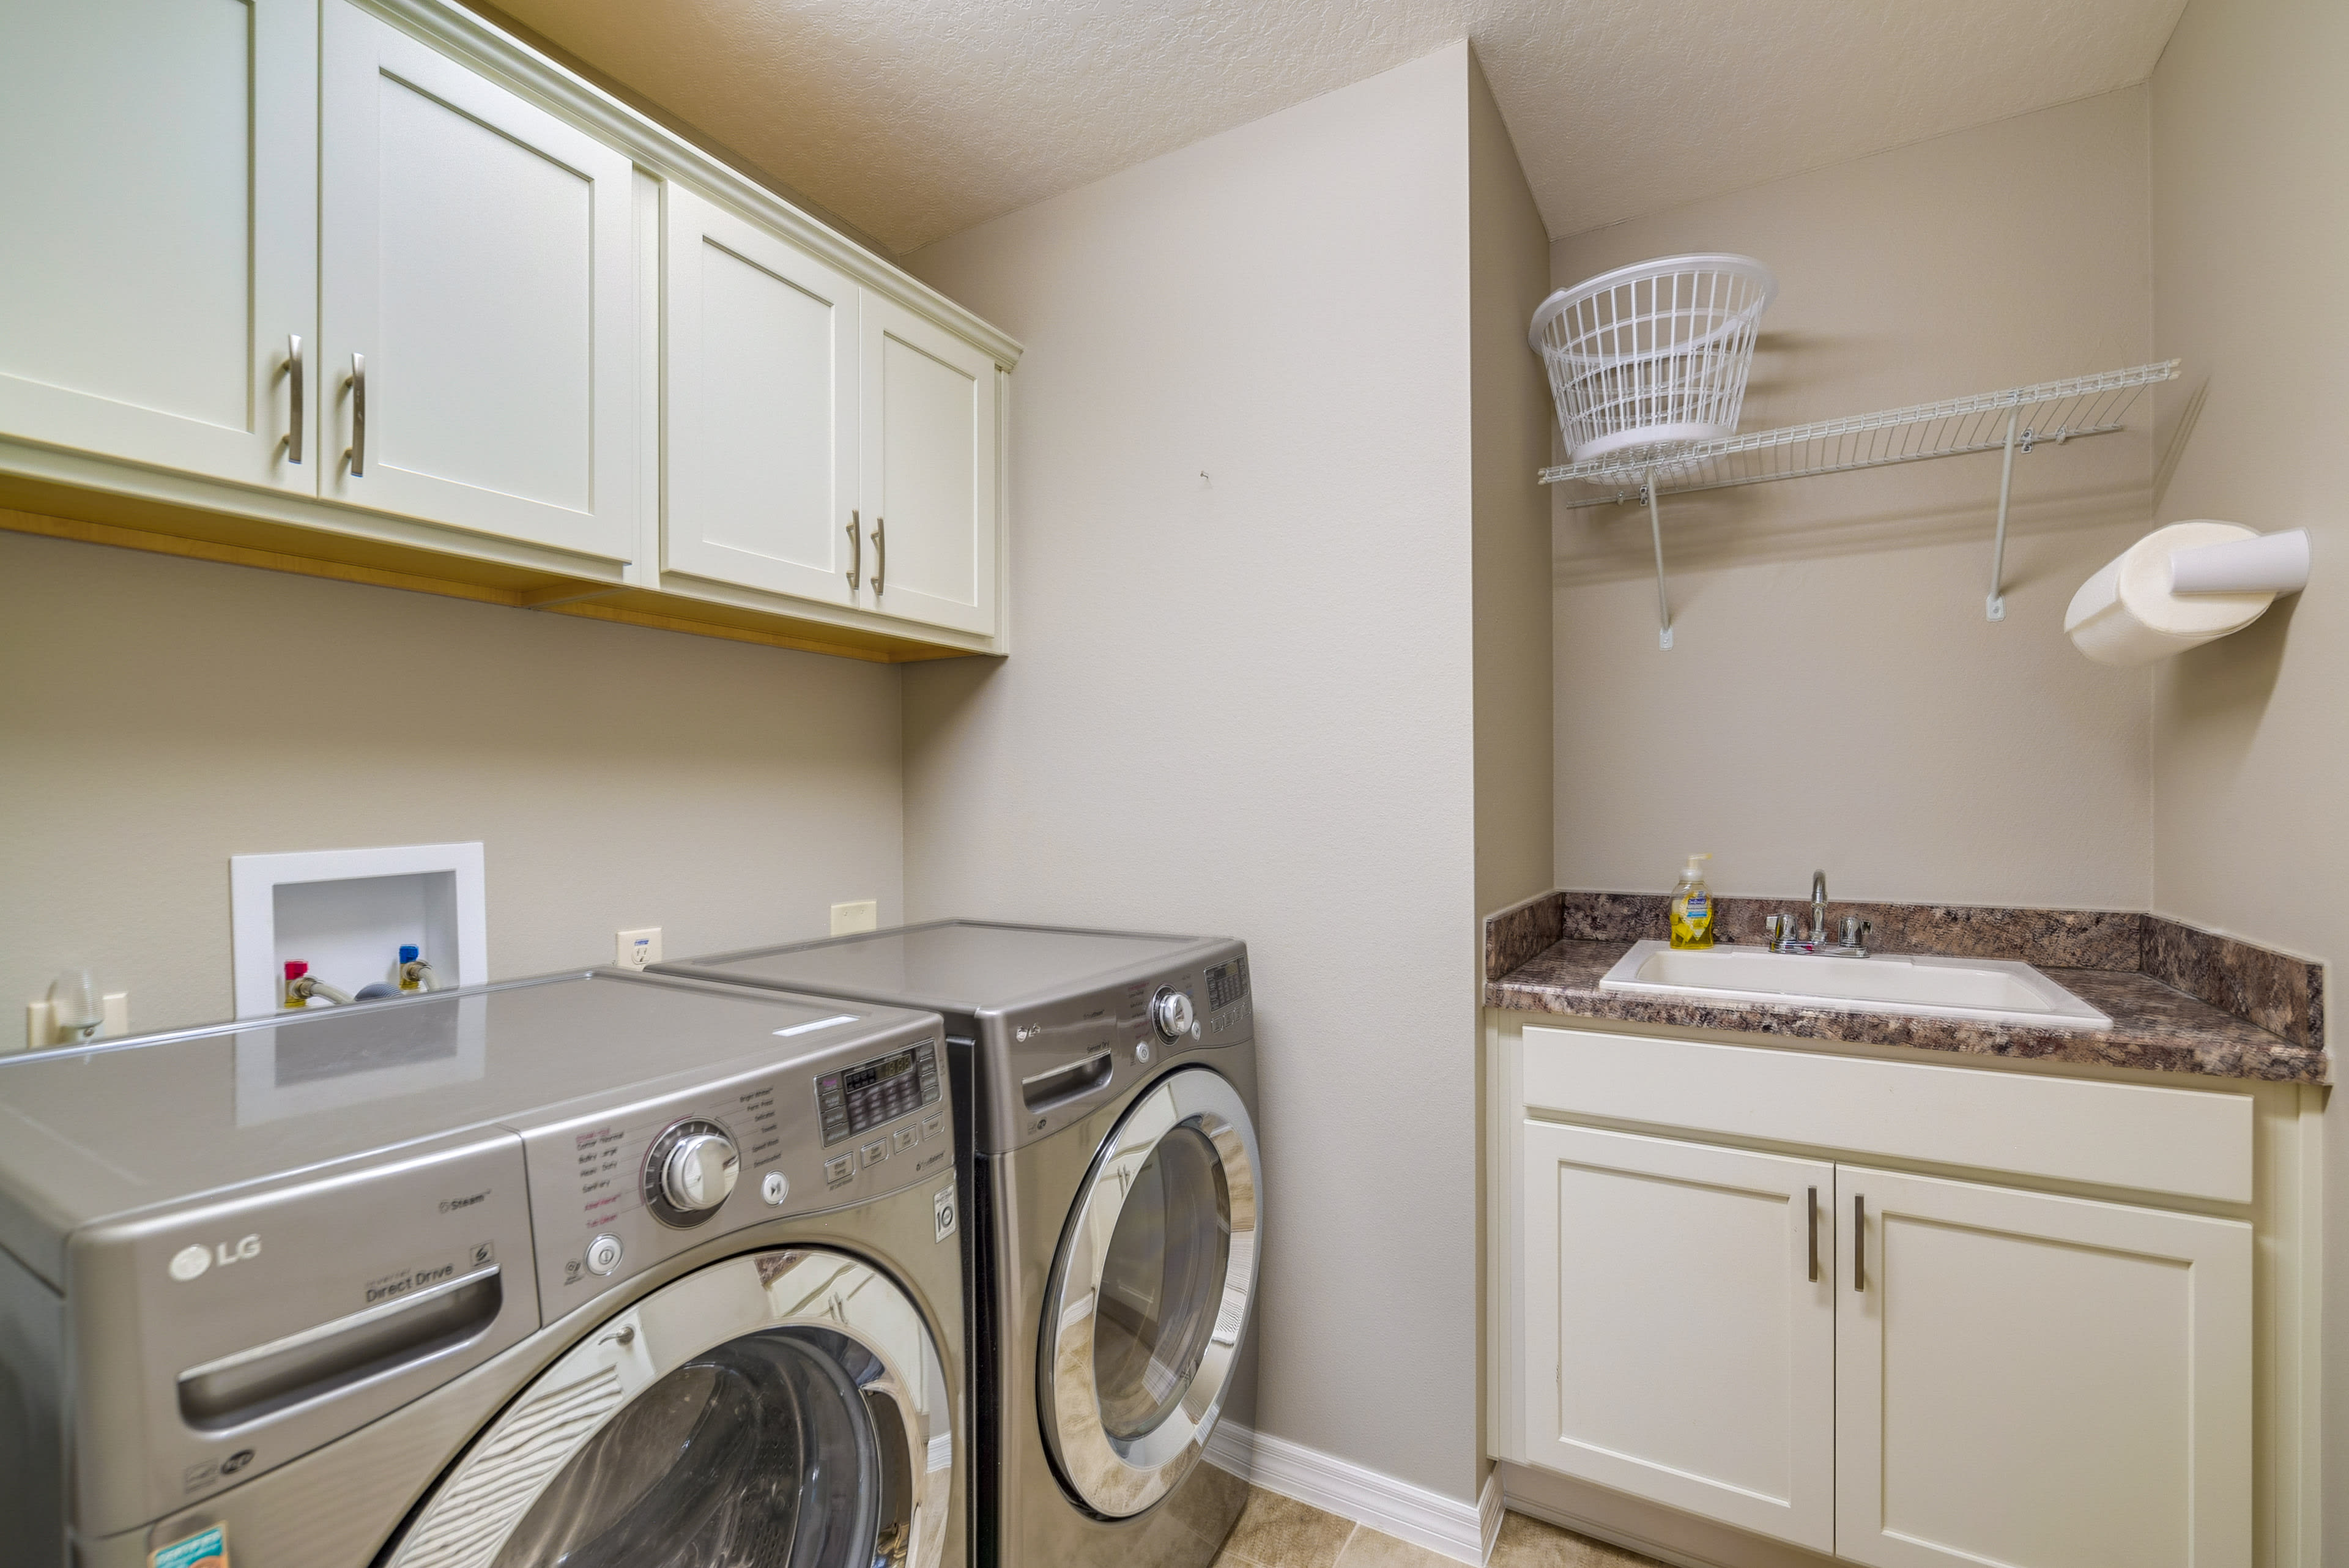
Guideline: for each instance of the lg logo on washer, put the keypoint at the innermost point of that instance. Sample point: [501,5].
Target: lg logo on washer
[188,1262]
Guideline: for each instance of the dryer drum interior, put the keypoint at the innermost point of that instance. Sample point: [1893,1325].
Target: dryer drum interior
[1150,1293]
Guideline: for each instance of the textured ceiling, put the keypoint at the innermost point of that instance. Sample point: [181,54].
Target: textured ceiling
[914,120]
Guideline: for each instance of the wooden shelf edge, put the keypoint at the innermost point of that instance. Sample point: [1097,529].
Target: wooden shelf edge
[572,598]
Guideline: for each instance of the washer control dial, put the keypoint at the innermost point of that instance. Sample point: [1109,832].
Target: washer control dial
[1171,1011]
[690,1170]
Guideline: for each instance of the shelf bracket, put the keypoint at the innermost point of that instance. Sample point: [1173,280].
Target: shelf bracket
[1656,532]
[1994,608]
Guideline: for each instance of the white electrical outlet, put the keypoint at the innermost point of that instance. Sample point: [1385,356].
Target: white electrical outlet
[41,1025]
[847,919]
[634,950]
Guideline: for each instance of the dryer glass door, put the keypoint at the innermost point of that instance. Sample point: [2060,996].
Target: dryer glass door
[785,1409]
[1150,1293]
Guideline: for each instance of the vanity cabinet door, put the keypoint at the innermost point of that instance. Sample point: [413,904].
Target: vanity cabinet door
[929,457]
[1680,1326]
[761,349]
[157,230]
[478,255]
[2038,1380]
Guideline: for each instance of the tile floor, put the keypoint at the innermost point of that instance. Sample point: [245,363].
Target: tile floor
[1277,1531]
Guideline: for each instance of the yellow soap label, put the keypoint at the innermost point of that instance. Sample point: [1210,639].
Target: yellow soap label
[1693,920]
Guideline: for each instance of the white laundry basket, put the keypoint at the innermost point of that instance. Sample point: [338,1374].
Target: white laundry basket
[1652,358]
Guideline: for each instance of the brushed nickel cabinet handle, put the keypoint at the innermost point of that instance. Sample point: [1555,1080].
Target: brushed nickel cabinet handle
[1859,1242]
[358,385]
[855,552]
[1813,1203]
[294,400]
[880,556]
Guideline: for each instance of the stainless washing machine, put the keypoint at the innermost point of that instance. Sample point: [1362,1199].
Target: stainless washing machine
[1107,1086]
[595,1270]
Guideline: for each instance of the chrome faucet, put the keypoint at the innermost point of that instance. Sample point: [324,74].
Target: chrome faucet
[1786,933]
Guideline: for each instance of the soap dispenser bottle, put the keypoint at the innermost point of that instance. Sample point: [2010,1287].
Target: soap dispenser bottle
[1692,907]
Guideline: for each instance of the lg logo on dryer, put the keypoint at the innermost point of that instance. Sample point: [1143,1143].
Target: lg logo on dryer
[190,1262]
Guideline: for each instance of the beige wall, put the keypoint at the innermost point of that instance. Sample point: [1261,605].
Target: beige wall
[1508,260]
[616,777]
[1508,270]
[1242,702]
[2250,225]
[1834,697]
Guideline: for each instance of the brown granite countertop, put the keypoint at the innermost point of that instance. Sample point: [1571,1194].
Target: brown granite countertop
[2157,1026]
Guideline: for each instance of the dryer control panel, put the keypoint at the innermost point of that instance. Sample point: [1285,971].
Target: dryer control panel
[616,1190]
[1056,1060]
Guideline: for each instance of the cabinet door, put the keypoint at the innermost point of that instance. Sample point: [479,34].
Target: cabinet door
[2041,1381]
[1680,1326]
[475,251]
[762,349]
[157,229]
[929,490]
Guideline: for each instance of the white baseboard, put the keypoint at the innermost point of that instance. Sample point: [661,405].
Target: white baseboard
[1462,1530]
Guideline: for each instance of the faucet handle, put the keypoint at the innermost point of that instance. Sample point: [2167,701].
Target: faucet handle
[1854,928]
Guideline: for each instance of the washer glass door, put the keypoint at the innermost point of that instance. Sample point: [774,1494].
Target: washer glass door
[1150,1294]
[787,1409]
[760,1450]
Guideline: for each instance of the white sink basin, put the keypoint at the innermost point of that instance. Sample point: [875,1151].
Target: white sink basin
[1995,990]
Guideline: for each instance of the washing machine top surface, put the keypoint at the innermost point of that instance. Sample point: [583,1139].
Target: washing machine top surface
[954,966]
[132,1125]
[1057,1021]
[263,1236]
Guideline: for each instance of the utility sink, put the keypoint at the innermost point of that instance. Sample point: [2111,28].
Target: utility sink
[1992,991]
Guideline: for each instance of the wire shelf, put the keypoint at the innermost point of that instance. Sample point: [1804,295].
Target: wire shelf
[2058,412]
[2049,411]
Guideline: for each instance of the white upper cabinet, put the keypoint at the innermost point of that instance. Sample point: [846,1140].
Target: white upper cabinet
[2030,1378]
[156,229]
[478,363]
[761,341]
[373,270]
[929,495]
[1680,1325]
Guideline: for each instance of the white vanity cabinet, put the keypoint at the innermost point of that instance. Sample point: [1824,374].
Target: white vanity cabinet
[477,327]
[153,285]
[1679,1337]
[2030,1377]
[1896,1313]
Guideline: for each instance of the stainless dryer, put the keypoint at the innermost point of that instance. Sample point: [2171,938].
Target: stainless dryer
[1108,1085]
[597,1269]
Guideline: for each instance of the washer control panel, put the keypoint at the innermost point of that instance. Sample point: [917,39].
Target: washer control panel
[617,1191]
[690,1170]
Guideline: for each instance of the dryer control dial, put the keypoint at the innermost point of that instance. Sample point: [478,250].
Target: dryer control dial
[1171,1011]
[688,1171]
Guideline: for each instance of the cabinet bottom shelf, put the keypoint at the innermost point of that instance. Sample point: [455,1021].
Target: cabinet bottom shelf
[95,518]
